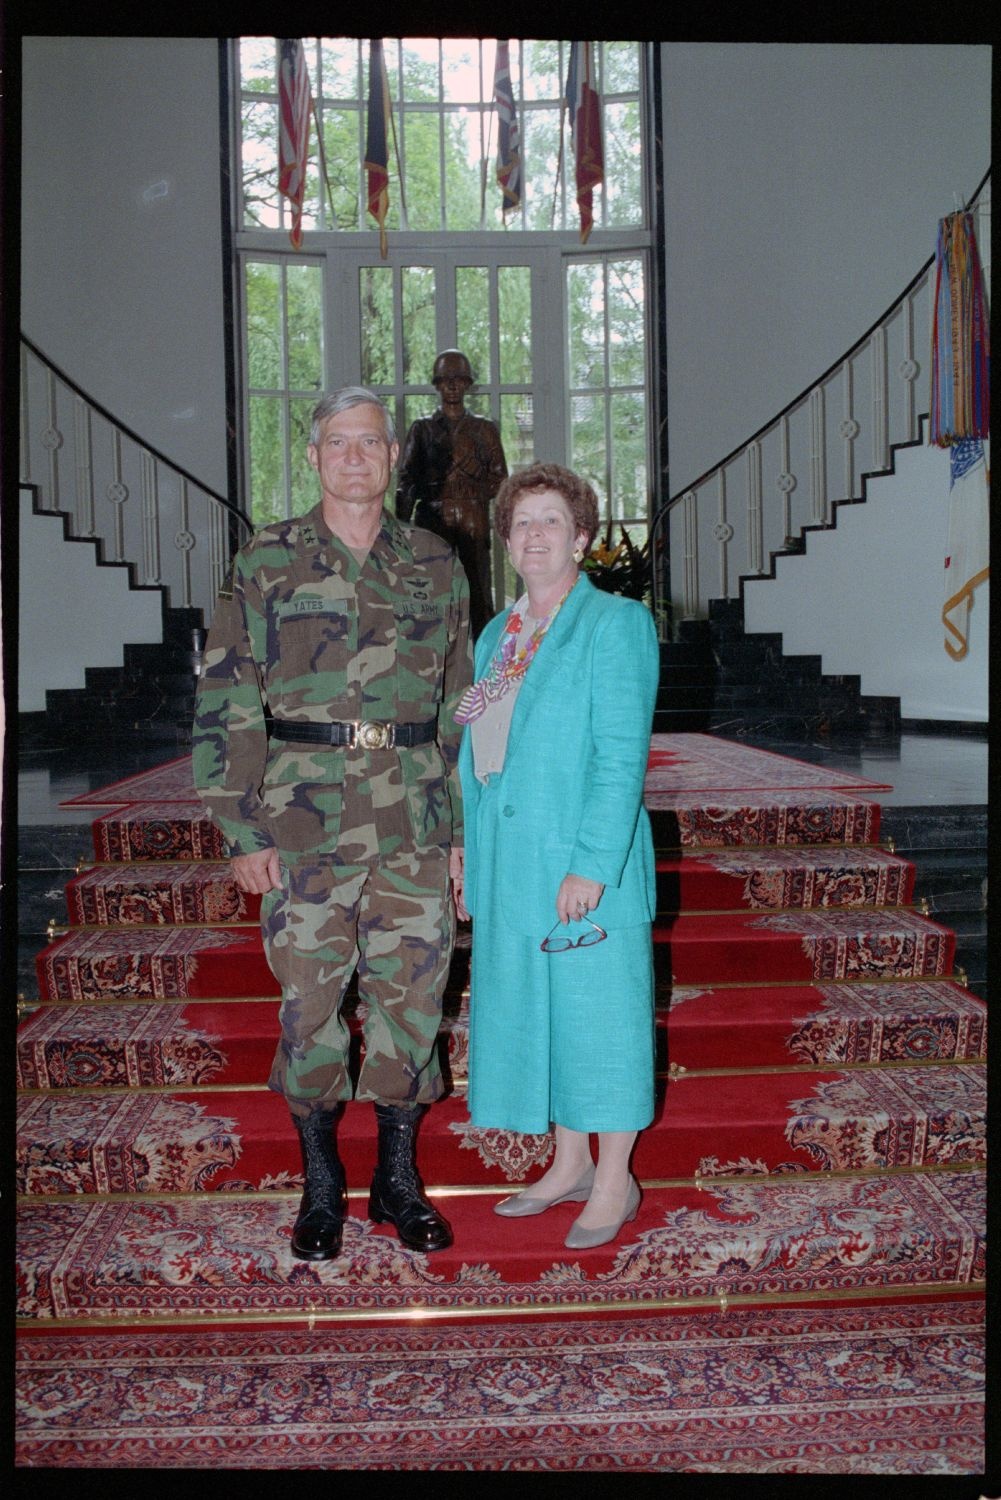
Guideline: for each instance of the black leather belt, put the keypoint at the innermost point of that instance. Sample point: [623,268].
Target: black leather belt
[361,734]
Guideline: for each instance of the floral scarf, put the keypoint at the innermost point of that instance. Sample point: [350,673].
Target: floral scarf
[508,665]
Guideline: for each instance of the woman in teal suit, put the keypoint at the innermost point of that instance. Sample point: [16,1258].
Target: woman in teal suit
[558,871]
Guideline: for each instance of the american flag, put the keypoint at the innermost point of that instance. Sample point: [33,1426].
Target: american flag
[377,142]
[508,134]
[294,105]
[585,131]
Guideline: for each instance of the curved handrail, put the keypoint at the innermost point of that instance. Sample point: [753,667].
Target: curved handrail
[130,433]
[668,505]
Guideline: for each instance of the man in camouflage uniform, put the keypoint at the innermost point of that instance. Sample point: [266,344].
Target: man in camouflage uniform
[351,633]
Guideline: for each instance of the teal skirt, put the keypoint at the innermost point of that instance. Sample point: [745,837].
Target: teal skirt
[557,1038]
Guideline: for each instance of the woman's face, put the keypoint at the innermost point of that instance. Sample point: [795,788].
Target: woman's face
[543,537]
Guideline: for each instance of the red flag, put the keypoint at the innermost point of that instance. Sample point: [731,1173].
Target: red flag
[585,131]
[508,134]
[377,143]
[295,103]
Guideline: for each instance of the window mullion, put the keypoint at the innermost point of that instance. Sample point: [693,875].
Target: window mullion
[495,367]
[607,375]
[286,388]
[442,190]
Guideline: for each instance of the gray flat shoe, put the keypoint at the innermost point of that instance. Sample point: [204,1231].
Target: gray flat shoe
[523,1205]
[586,1239]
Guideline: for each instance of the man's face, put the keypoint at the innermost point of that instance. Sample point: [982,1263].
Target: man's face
[452,379]
[352,458]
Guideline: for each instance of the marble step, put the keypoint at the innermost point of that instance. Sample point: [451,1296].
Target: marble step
[829,944]
[932,831]
[869,718]
[149,1043]
[685,653]
[176,830]
[762,879]
[206,892]
[952,882]
[739,947]
[688,673]
[681,720]
[685,697]
[122,686]
[727,819]
[758,696]
[172,1262]
[707,1125]
[739,669]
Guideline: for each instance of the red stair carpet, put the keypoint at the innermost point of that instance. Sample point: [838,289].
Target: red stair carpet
[816,1166]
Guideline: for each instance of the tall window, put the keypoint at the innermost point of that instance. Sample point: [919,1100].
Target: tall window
[445,132]
[556,332]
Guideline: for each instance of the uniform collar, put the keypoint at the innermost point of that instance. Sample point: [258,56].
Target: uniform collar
[391,534]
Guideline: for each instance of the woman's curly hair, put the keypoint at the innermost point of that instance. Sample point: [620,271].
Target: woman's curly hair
[578,494]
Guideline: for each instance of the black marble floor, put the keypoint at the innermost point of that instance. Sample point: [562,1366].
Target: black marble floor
[936,813]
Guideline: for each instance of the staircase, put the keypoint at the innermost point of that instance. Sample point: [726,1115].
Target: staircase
[819,1136]
[148,701]
[719,678]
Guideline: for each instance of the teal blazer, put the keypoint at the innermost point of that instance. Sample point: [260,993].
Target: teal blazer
[570,795]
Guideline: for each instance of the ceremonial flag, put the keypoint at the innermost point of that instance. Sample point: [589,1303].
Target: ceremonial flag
[968,560]
[377,142]
[961,354]
[585,131]
[294,105]
[508,134]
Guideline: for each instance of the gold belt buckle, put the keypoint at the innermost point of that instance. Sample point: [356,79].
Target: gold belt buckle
[371,735]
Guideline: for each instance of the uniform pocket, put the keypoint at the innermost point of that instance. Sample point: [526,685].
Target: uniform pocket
[317,639]
[302,796]
[426,790]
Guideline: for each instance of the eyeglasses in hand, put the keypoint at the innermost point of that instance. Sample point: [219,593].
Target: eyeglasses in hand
[562,944]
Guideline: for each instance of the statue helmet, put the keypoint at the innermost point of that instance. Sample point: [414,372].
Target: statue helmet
[453,354]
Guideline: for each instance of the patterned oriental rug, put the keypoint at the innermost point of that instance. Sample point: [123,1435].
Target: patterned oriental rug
[813,1182]
[893,1390]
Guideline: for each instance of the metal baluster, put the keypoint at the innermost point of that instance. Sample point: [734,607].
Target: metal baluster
[84,470]
[691,555]
[25,466]
[118,493]
[723,532]
[909,369]
[818,457]
[217,549]
[755,550]
[880,449]
[849,430]
[184,541]
[52,441]
[786,483]
[151,517]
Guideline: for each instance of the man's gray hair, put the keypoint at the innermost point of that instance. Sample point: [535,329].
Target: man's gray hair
[343,400]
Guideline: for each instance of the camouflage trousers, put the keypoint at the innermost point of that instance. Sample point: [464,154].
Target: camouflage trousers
[392,920]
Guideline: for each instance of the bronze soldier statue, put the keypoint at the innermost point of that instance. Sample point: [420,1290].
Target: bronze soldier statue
[451,468]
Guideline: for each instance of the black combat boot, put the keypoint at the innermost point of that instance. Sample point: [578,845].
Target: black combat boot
[397,1195]
[316,1234]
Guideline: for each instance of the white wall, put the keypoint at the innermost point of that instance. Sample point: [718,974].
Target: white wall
[72,613]
[867,596]
[121,237]
[803,187]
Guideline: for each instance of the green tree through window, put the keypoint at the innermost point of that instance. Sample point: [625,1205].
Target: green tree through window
[556,332]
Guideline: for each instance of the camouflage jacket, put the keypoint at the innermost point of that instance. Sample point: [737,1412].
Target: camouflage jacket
[302,631]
